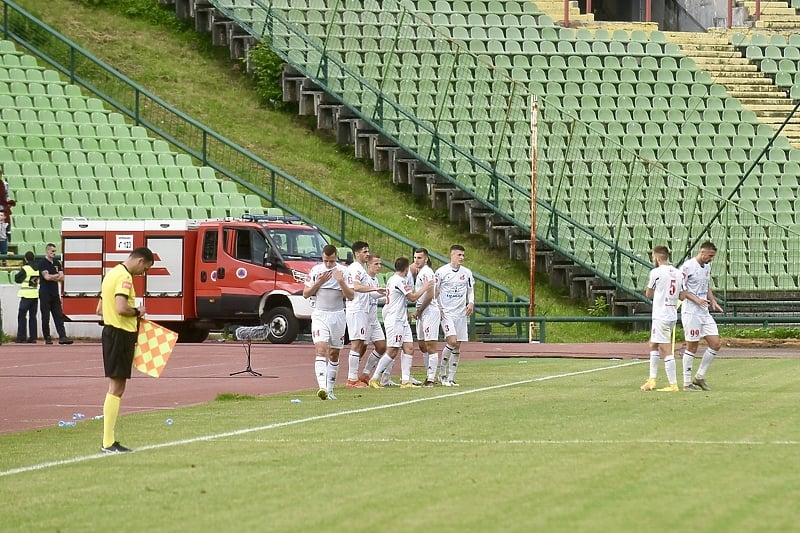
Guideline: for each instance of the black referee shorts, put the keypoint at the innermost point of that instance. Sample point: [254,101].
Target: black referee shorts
[118,348]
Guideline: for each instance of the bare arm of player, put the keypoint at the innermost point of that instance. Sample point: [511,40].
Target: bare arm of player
[470,301]
[359,287]
[347,291]
[416,295]
[425,300]
[686,295]
[712,301]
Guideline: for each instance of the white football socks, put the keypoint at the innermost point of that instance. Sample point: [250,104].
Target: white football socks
[654,360]
[320,366]
[688,361]
[353,360]
[708,356]
[671,370]
[333,369]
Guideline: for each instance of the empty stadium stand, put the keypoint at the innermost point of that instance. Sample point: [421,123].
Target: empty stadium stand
[639,140]
[66,155]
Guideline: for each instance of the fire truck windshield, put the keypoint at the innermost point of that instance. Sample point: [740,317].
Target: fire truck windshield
[298,243]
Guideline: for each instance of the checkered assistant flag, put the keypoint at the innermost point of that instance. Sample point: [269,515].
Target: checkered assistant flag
[153,348]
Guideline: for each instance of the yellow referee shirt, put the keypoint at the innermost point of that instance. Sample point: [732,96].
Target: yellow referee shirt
[118,281]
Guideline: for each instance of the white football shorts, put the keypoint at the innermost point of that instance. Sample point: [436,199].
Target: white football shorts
[428,325]
[398,333]
[661,331]
[455,326]
[328,326]
[696,327]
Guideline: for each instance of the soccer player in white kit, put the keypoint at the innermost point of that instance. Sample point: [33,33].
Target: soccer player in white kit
[664,286]
[326,283]
[374,331]
[698,302]
[395,319]
[428,316]
[455,295]
[357,312]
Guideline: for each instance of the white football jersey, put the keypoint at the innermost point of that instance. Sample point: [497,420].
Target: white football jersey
[357,273]
[455,289]
[696,279]
[667,283]
[373,302]
[329,296]
[425,274]
[395,309]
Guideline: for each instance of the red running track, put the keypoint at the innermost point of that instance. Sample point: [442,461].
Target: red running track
[41,384]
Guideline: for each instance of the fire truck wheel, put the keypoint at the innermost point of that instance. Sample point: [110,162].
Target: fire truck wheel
[283,326]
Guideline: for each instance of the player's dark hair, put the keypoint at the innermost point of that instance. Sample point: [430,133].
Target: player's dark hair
[427,255]
[708,245]
[400,264]
[143,253]
[329,250]
[358,246]
[458,247]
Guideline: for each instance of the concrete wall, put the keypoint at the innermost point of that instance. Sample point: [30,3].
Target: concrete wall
[10,302]
[710,14]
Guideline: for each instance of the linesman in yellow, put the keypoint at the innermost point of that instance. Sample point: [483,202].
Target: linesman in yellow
[120,315]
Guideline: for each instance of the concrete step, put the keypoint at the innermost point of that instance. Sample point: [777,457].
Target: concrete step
[756,104]
[777,25]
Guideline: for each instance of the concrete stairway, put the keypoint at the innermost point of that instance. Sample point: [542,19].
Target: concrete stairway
[775,15]
[756,91]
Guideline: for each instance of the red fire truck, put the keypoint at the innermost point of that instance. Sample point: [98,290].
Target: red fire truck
[207,273]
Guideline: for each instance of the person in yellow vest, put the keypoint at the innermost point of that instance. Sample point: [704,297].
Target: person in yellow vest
[28,280]
[120,314]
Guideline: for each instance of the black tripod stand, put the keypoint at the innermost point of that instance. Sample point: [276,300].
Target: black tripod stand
[247,335]
[249,369]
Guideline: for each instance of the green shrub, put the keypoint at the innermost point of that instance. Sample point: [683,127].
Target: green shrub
[267,69]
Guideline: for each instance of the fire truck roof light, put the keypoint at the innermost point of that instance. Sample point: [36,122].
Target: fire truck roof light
[270,218]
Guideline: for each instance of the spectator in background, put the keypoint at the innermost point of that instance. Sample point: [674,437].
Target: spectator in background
[6,203]
[3,234]
[52,273]
[28,280]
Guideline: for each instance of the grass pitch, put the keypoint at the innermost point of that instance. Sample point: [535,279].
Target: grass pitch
[521,446]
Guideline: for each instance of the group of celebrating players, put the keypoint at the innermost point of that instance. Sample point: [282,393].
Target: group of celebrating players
[348,297]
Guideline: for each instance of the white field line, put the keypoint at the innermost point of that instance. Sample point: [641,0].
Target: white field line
[524,442]
[275,425]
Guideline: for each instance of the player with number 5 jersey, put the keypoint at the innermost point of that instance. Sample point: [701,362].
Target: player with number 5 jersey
[664,286]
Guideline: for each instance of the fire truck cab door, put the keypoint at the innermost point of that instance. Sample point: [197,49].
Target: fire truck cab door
[210,274]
